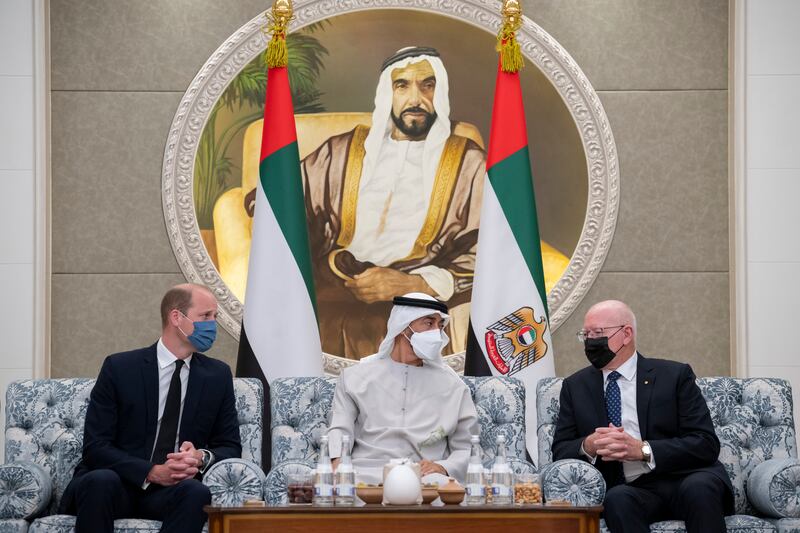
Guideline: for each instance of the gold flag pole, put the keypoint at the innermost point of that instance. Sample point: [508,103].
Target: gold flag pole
[278,19]
[507,45]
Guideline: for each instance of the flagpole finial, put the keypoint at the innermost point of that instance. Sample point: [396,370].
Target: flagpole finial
[277,23]
[507,45]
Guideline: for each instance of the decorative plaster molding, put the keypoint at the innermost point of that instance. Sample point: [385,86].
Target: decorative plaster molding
[536,44]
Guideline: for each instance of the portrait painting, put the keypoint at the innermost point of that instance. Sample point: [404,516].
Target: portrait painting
[393,111]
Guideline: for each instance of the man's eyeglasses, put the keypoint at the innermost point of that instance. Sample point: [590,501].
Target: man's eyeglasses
[584,334]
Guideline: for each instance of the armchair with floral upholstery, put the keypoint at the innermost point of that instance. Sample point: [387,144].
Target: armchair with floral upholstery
[754,422]
[301,412]
[44,440]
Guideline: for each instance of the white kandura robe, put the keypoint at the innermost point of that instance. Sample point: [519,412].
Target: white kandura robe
[392,205]
[392,410]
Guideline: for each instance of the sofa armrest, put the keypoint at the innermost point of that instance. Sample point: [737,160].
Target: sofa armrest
[275,490]
[233,481]
[25,490]
[574,481]
[772,488]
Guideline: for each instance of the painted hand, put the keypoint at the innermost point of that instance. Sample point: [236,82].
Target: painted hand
[380,284]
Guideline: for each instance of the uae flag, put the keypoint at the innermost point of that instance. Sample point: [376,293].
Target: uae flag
[509,332]
[280,334]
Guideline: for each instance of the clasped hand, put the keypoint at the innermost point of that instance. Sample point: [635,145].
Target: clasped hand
[613,444]
[429,467]
[380,284]
[180,465]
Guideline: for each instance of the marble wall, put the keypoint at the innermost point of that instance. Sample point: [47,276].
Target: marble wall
[120,68]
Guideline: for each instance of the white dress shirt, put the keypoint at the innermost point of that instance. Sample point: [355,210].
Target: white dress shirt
[166,367]
[630,417]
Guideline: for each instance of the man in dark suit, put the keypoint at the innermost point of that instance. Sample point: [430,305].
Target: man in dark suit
[649,426]
[158,417]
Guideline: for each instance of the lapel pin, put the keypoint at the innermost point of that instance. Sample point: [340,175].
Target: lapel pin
[646,382]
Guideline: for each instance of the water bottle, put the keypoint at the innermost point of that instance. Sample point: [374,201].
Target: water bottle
[501,476]
[323,476]
[476,490]
[345,476]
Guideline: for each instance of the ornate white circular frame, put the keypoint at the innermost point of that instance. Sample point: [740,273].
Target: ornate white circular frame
[537,45]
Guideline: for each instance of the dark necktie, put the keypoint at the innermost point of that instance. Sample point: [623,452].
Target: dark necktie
[613,399]
[169,421]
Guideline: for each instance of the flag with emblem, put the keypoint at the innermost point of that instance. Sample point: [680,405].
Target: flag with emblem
[280,335]
[509,333]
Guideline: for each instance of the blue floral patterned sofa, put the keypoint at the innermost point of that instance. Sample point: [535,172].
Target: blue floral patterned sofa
[301,412]
[44,438]
[754,422]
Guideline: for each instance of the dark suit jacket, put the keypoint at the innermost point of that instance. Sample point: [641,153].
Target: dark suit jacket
[673,418]
[122,415]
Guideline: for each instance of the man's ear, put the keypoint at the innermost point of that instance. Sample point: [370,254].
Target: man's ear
[175,318]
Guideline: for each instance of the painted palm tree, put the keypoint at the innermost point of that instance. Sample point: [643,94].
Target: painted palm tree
[244,99]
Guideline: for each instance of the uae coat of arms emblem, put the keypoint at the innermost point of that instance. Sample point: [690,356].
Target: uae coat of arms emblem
[516,341]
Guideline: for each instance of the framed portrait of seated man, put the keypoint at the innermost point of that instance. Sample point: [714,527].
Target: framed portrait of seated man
[392,110]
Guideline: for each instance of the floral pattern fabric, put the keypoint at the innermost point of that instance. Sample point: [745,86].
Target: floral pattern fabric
[785,525]
[774,488]
[25,490]
[548,391]
[249,394]
[574,481]
[301,413]
[66,524]
[44,426]
[734,524]
[500,403]
[275,491]
[14,525]
[754,422]
[234,481]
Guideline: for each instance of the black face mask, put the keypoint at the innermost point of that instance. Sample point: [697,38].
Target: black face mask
[597,351]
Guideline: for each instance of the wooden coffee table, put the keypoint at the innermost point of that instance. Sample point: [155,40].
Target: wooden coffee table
[420,518]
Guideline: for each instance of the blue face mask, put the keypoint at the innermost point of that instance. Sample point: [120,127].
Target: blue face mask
[204,334]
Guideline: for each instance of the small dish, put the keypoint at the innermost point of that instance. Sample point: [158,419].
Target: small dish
[452,493]
[429,493]
[370,493]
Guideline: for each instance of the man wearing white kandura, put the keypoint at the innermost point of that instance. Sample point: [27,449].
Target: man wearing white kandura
[404,401]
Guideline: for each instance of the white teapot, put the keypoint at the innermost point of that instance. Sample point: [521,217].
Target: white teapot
[401,483]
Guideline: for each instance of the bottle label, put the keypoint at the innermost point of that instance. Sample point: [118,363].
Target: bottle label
[475,489]
[501,490]
[345,490]
[323,490]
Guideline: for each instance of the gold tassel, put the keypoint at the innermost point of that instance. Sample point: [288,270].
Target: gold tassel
[510,53]
[277,53]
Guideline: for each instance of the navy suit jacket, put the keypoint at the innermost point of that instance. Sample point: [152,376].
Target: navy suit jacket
[673,418]
[122,415]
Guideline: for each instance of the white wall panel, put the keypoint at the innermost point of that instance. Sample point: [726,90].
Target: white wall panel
[773,205]
[16,125]
[773,114]
[772,41]
[16,38]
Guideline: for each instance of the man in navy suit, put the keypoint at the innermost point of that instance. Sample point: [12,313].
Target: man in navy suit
[645,425]
[158,417]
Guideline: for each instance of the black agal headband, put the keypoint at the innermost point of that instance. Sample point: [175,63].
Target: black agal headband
[412,51]
[419,302]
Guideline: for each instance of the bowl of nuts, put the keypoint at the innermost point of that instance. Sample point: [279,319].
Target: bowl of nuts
[527,489]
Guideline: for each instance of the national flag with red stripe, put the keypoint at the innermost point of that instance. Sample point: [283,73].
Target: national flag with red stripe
[280,335]
[509,331]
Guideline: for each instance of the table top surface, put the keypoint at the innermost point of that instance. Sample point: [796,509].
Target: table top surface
[377,508]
